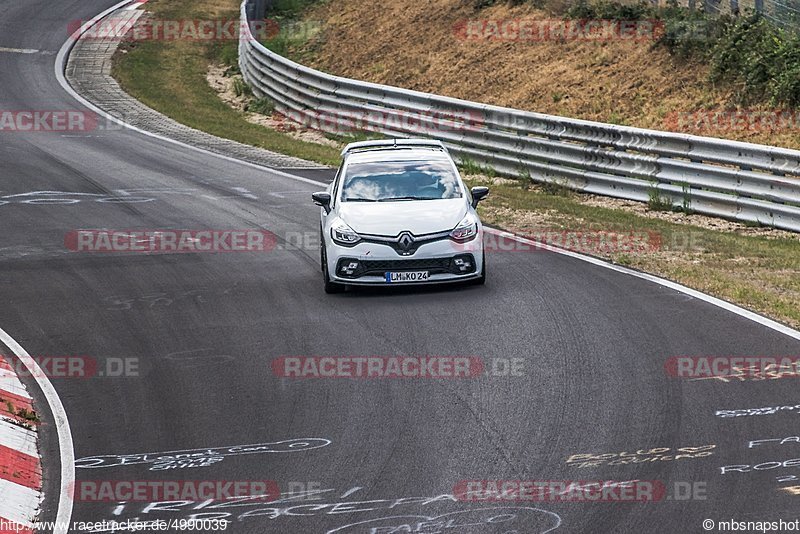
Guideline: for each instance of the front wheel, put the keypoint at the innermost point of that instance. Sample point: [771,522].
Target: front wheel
[330,286]
[481,280]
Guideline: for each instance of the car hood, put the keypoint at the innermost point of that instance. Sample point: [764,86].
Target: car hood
[416,216]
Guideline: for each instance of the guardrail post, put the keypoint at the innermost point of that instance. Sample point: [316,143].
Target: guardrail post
[260,8]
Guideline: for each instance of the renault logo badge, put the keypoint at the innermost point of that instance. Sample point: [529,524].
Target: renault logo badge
[405,241]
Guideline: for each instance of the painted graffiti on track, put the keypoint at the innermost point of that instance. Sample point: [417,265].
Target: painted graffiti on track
[424,515]
[192,458]
[122,196]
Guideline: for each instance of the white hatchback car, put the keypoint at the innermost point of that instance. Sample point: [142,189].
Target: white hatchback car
[398,213]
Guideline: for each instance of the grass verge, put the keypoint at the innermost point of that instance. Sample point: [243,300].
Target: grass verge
[170,76]
[755,268]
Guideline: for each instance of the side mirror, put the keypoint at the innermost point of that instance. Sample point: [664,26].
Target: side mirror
[478,194]
[322,199]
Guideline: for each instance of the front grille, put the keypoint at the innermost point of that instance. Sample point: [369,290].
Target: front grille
[405,243]
[380,267]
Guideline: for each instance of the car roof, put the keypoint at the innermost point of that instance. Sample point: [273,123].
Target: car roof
[398,154]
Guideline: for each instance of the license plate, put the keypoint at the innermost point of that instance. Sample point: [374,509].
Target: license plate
[407,276]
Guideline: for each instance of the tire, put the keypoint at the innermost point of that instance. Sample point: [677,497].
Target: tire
[330,287]
[481,280]
[322,262]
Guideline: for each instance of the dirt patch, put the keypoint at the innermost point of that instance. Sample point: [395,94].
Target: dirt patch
[223,84]
[219,80]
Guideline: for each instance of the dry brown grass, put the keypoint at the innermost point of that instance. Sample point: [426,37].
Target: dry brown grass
[413,45]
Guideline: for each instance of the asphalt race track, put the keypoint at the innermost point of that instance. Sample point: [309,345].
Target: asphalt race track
[371,455]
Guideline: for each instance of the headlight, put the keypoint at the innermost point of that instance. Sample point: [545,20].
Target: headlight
[344,235]
[466,230]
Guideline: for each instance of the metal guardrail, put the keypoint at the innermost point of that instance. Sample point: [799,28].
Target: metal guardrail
[739,181]
[782,13]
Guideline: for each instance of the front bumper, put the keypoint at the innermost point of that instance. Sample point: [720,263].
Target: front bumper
[368,263]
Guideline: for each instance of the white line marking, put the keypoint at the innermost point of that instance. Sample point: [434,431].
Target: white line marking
[67,453]
[769,323]
[20,50]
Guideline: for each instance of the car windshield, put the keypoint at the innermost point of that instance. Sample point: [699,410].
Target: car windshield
[389,181]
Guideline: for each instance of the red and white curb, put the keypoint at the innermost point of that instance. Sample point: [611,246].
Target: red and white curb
[20,468]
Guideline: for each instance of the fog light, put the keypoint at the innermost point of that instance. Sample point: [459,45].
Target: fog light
[462,264]
[350,268]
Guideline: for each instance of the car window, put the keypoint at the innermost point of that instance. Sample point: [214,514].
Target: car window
[336,184]
[387,181]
